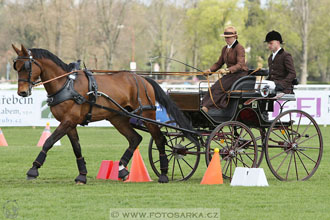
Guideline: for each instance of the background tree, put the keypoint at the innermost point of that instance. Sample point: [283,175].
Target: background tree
[206,22]
[187,30]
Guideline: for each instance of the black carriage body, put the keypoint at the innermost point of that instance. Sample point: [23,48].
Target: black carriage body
[237,110]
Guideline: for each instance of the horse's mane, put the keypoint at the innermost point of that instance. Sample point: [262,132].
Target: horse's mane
[42,53]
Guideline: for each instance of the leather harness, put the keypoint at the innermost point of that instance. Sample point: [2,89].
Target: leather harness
[67,92]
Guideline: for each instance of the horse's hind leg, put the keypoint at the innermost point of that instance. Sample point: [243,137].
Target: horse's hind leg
[59,132]
[122,124]
[74,139]
[160,141]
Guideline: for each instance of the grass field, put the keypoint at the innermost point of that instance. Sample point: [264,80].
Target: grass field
[54,194]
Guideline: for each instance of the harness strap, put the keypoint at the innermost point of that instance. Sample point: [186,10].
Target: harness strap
[92,95]
[141,107]
[65,93]
[137,92]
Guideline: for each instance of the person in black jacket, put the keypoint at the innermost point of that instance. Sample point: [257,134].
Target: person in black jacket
[280,63]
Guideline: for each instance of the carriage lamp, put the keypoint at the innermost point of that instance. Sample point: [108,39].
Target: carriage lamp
[265,91]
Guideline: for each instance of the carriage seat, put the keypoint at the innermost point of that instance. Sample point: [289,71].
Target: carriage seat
[241,87]
[244,86]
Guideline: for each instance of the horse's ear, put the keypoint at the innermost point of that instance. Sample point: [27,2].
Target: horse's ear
[25,52]
[16,49]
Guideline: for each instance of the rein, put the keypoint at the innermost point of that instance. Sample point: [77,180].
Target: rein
[142,73]
[50,80]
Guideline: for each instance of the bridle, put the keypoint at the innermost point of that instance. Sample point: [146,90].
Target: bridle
[28,60]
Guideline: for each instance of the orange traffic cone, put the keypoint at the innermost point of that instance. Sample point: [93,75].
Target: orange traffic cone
[138,172]
[45,134]
[3,141]
[114,171]
[213,174]
[105,169]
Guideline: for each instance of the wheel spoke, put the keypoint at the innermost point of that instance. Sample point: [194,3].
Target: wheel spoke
[289,166]
[282,162]
[187,163]
[302,147]
[237,139]
[307,127]
[244,164]
[231,168]
[306,139]
[225,170]
[243,145]
[279,137]
[285,131]
[279,154]
[173,168]
[303,164]
[170,158]
[298,124]
[222,147]
[226,141]
[307,156]
[295,163]
[180,169]
[248,155]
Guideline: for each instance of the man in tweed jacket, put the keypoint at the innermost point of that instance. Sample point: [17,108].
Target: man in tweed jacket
[280,63]
[233,55]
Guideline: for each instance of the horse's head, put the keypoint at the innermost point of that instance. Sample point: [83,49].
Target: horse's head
[28,70]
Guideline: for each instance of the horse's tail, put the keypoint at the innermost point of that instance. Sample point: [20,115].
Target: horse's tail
[172,110]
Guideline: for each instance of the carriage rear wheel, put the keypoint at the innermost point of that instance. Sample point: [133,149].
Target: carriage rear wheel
[182,154]
[237,145]
[294,146]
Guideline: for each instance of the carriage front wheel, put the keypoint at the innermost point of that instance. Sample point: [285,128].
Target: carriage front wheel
[182,154]
[293,146]
[237,145]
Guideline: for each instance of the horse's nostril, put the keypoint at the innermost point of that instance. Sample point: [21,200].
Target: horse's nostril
[23,94]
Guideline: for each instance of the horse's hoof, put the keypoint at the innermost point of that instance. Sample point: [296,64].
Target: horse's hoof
[163,178]
[80,183]
[31,177]
[81,179]
[123,174]
[32,173]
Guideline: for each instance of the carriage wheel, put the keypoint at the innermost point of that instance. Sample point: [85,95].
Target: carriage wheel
[182,154]
[294,146]
[259,134]
[237,145]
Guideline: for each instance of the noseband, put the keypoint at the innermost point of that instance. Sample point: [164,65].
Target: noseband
[28,60]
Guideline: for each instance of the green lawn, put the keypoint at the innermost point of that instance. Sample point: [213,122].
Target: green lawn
[54,194]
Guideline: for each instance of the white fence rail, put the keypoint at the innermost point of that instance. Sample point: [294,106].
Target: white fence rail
[33,110]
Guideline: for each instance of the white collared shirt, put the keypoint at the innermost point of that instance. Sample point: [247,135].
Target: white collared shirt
[230,46]
[274,54]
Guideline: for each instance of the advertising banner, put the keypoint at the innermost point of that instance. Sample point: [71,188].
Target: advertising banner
[34,111]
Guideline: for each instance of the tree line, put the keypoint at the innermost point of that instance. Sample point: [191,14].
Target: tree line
[108,34]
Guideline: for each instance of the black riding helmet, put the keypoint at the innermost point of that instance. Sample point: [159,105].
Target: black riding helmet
[273,35]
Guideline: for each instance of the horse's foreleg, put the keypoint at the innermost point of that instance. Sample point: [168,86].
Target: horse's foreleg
[74,139]
[60,131]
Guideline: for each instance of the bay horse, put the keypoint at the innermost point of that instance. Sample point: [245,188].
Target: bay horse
[127,89]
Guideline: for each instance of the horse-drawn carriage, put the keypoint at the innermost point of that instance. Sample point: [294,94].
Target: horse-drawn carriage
[292,142]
